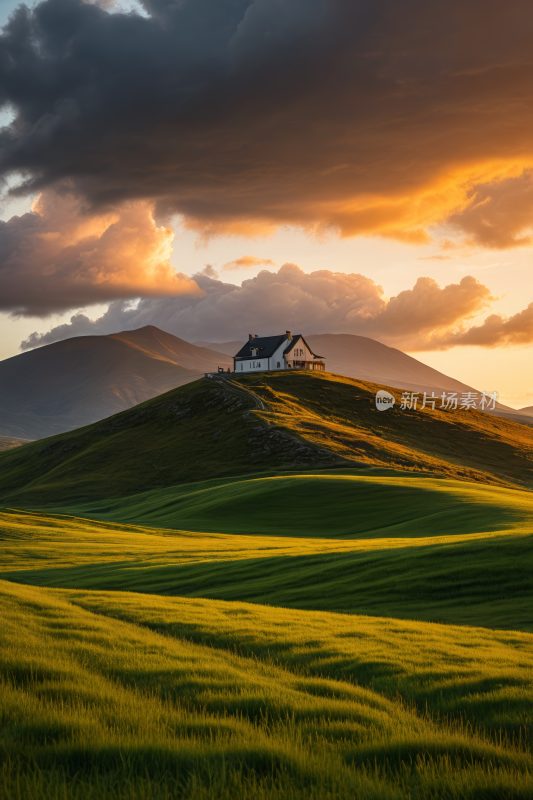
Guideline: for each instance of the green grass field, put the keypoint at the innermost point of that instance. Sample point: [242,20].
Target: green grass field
[328,607]
[390,545]
[129,696]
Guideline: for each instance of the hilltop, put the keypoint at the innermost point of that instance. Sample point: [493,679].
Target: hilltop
[275,421]
[369,360]
[78,381]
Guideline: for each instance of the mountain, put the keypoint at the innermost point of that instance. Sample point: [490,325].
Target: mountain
[228,348]
[78,381]
[209,430]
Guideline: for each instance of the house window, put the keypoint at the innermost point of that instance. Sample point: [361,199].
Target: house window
[278,364]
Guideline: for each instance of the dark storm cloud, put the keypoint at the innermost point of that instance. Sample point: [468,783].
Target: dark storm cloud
[362,117]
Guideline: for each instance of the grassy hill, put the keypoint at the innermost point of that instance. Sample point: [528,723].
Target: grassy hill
[341,504]
[212,430]
[187,613]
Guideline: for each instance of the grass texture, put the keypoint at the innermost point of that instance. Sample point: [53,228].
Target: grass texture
[389,545]
[128,696]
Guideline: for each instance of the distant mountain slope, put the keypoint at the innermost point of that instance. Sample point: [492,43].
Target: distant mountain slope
[69,384]
[7,442]
[369,360]
[229,348]
[157,344]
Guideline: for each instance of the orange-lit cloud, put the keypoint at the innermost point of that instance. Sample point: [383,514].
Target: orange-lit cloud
[341,118]
[245,262]
[60,257]
[495,331]
[319,302]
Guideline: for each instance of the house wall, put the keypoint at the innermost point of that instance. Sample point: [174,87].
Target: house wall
[300,352]
[278,357]
[251,365]
[254,364]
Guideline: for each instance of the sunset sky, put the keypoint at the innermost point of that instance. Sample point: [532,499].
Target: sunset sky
[220,167]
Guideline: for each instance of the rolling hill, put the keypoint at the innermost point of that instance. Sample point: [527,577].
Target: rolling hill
[69,384]
[72,383]
[186,613]
[274,421]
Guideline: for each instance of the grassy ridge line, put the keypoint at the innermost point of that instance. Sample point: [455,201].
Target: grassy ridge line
[486,582]
[202,431]
[36,540]
[349,504]
[129,712]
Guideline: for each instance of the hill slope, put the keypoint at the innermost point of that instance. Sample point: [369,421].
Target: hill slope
[77,381]
[207,430]
[368,360]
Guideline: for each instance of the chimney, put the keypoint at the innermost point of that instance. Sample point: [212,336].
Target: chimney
[289,336]
[250,337]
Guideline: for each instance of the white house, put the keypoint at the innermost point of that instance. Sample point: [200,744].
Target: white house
[277,352]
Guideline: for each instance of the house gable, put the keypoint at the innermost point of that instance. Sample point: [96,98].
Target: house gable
[276,353]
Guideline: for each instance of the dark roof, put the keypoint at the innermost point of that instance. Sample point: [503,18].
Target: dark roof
[295,340]
[267,346]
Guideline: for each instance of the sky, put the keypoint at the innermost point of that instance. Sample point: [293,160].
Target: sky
[222,167]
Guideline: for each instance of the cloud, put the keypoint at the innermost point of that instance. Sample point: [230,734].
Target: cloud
[322,301]
[434,258]
[245,262]
[496,331]
[500,215]
[60,257]
[209,271]
[245,115]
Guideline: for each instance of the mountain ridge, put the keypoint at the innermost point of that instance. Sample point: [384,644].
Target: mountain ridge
[69,384]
